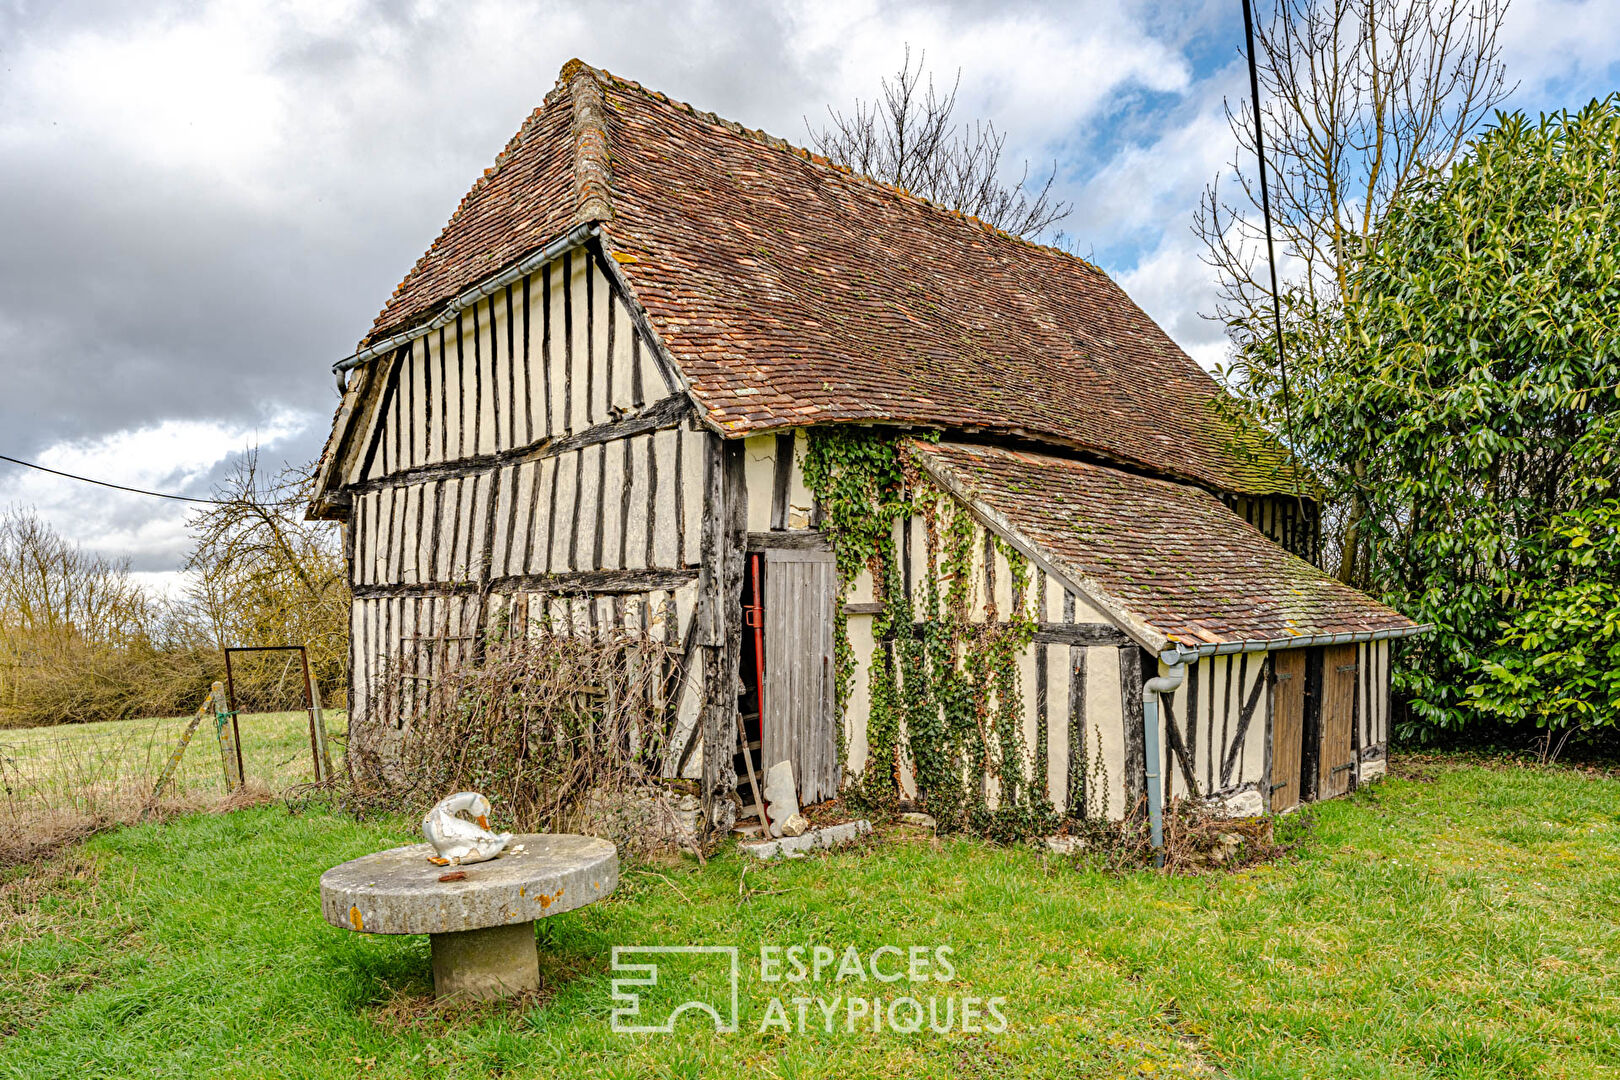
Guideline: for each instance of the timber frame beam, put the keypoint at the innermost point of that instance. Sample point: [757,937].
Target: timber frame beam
[666,413]
[576,583]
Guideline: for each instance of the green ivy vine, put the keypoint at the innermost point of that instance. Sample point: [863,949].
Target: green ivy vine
[944,689]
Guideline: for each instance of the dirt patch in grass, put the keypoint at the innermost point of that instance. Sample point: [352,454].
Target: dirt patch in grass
[23,886]
[413,1008]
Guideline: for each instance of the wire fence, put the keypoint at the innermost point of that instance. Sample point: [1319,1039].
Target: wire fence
[58,783]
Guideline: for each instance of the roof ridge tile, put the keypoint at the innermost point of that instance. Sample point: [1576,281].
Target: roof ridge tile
[593,178]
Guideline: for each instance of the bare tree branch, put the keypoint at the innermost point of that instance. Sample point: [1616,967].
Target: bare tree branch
[1360,99]
[910,139]
[264,576]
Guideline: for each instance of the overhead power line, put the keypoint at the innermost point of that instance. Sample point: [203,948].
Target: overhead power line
[110,484]
[1265,212]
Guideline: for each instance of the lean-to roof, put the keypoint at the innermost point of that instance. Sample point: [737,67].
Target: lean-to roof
[1168,560]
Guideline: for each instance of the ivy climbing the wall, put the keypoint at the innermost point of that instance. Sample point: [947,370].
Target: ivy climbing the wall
[944,692]
[860,489]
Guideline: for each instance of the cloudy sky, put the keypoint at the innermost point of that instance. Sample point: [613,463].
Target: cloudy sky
[203,205]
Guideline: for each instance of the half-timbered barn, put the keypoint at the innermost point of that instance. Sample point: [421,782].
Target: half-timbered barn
[592,403]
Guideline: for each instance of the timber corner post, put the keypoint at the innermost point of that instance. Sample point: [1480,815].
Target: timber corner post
[724,540]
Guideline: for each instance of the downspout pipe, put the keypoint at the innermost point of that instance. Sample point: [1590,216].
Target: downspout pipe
[1176,658]
[574,238]
[1159,684]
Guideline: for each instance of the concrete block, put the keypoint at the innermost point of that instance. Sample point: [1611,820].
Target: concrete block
[781,795]
[795,846]
[1239,805]
[485,964]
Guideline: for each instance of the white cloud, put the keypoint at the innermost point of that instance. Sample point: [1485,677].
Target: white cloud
[205,203]
[1561,52]
[163,584]
[176,456]
[1041,75]
[1173,286]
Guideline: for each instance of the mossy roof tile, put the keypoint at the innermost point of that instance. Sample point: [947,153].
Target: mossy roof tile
[1170,554]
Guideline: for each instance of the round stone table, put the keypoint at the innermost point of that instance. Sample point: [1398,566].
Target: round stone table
[481,925]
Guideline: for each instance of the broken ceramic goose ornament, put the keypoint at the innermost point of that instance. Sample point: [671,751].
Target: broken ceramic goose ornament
[458,841]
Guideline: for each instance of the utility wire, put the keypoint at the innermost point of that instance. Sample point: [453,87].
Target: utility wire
[109,484]
[1265,212]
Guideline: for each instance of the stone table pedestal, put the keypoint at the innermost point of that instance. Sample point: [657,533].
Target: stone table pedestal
[481,920]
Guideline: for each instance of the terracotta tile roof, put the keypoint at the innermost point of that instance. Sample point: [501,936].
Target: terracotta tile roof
[1170,556]
[525,199]
[790,291]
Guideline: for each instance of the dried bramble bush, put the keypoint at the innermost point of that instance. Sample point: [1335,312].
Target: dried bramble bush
[554,727]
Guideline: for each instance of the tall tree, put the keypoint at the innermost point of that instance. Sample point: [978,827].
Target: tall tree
[1480,388]
[262,575]
[51,589]
[1361,99]
[909,137]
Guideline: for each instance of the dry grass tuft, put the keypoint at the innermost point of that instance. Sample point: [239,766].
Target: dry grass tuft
[414,1009]
[1196,840]
[32,834]
[55,900]
[61,785]
[418,1010]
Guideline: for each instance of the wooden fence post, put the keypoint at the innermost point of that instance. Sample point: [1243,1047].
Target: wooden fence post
[227,739]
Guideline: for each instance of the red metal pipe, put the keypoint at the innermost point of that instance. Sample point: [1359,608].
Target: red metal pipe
[756,619]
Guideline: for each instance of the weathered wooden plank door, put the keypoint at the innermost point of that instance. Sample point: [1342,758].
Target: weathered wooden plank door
[1287,728]
[1338,758]
[798,719]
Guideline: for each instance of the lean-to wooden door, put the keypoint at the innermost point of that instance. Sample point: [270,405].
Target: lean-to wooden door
[1287,727]
[798,715]
[1338,759]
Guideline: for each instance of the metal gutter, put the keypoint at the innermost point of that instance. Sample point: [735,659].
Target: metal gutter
[574,238]
[1159,684]
[1182,654]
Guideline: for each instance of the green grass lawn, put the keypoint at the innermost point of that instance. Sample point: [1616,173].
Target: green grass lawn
[1463,925]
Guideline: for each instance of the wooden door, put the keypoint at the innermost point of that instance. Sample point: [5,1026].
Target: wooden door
[1337,762]
[1287,728]
[798,714]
